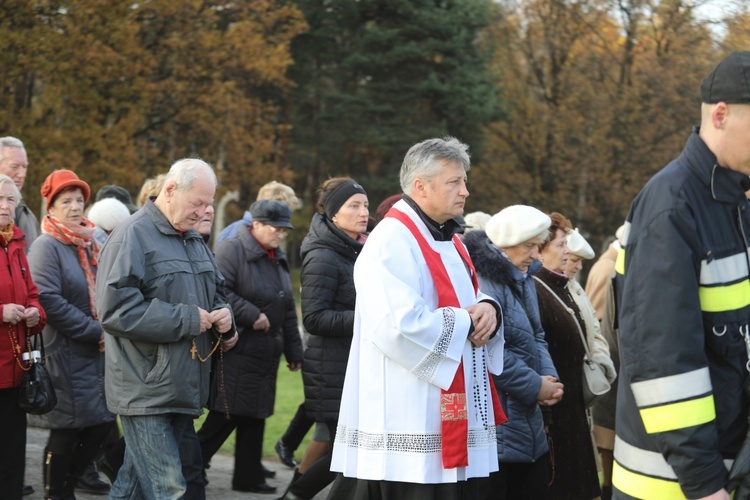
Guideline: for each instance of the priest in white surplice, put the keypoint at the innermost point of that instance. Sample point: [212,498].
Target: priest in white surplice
[418,411]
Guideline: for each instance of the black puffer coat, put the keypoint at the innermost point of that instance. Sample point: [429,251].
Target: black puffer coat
[328,297]
[255,284]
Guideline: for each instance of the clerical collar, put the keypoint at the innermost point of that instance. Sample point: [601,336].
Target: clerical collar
[441,232]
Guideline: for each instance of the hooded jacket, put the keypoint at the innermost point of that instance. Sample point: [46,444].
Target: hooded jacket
[683,283]
[526,355]
[328,298]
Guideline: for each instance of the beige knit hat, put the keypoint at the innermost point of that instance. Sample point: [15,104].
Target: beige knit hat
[515,224]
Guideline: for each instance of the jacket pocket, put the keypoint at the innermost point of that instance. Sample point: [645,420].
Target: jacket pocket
[158,365]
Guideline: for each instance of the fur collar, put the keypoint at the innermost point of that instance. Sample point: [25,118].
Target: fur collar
[491,264]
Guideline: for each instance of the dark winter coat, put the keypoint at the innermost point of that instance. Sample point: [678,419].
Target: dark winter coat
[526,356]
[255,284]
[328,297]
[71,337]
[16,287]
[573,458]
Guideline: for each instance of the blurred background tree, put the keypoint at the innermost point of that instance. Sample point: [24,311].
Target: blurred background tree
[118,90]
[376,76]
[568,105]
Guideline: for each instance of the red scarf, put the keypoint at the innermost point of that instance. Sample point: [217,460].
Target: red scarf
[82,236]
[454,416]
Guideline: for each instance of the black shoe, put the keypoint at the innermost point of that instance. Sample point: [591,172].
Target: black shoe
[285,454]
[268,473]
[28,489]
[105,468]
[90,482]
[256,488]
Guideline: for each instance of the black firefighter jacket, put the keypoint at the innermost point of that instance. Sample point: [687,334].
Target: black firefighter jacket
[684,309]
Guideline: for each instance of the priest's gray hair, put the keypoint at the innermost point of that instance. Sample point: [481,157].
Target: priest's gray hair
[184,172]
[425,160]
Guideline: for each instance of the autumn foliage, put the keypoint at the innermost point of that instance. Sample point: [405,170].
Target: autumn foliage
[568,105]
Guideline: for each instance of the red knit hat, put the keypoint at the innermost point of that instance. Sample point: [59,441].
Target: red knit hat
[60,180]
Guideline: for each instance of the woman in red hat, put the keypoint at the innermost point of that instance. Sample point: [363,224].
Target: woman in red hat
[63,262]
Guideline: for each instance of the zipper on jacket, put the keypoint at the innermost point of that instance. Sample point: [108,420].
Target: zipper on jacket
[746,331]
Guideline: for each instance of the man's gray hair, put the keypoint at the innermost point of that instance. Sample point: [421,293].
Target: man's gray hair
[423,159]
[184,172]
[9,142]
[4,179]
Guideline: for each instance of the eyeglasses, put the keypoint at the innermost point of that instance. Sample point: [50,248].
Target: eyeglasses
[276,230]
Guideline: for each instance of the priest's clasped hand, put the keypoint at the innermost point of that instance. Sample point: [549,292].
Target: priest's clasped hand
[484,317]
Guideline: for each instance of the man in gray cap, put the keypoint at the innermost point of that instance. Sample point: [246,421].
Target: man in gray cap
[684,289]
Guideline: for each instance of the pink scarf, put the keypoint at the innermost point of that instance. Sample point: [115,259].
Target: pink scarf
[82,236]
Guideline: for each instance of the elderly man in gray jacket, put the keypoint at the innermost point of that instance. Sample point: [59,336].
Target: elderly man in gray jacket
[161,303]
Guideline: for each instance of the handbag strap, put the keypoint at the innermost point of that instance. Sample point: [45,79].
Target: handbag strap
[38,338]
[571,312]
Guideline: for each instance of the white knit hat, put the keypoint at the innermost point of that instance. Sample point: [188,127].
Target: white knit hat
[578,245]
[515,224]
[476,220]
[108,213]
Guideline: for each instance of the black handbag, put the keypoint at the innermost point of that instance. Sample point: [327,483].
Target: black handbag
[36,394]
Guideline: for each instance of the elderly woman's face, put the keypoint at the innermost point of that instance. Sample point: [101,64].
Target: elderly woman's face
[555,254]
[575,264]
[8,203]
[523,254]
[68,205]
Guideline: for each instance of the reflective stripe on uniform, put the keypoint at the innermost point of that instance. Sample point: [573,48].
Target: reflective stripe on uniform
[645,487]
[672,388]
[716,293]
[625,234]
[678,415]
[643,474]
[725,298]
[724,270]
[620,261]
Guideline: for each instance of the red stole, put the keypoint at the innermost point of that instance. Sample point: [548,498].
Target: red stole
[454,415]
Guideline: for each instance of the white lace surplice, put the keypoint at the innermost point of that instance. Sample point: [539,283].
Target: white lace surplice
[403,352]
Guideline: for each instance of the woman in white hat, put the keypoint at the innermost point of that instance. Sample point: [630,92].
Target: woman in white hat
[574,461]
[506,257]
[580,250]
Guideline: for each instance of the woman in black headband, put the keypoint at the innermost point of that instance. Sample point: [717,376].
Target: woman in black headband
[337,233]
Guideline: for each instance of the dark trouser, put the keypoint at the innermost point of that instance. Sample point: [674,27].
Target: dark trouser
[248,447]
[68,453]
[298,429]
[13,439]
[345,488]
[319,475]
[517,481]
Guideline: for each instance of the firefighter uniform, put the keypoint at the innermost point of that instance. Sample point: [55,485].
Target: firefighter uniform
[684,308]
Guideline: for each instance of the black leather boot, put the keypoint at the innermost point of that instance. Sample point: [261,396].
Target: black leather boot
[90,482]
[55,473]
